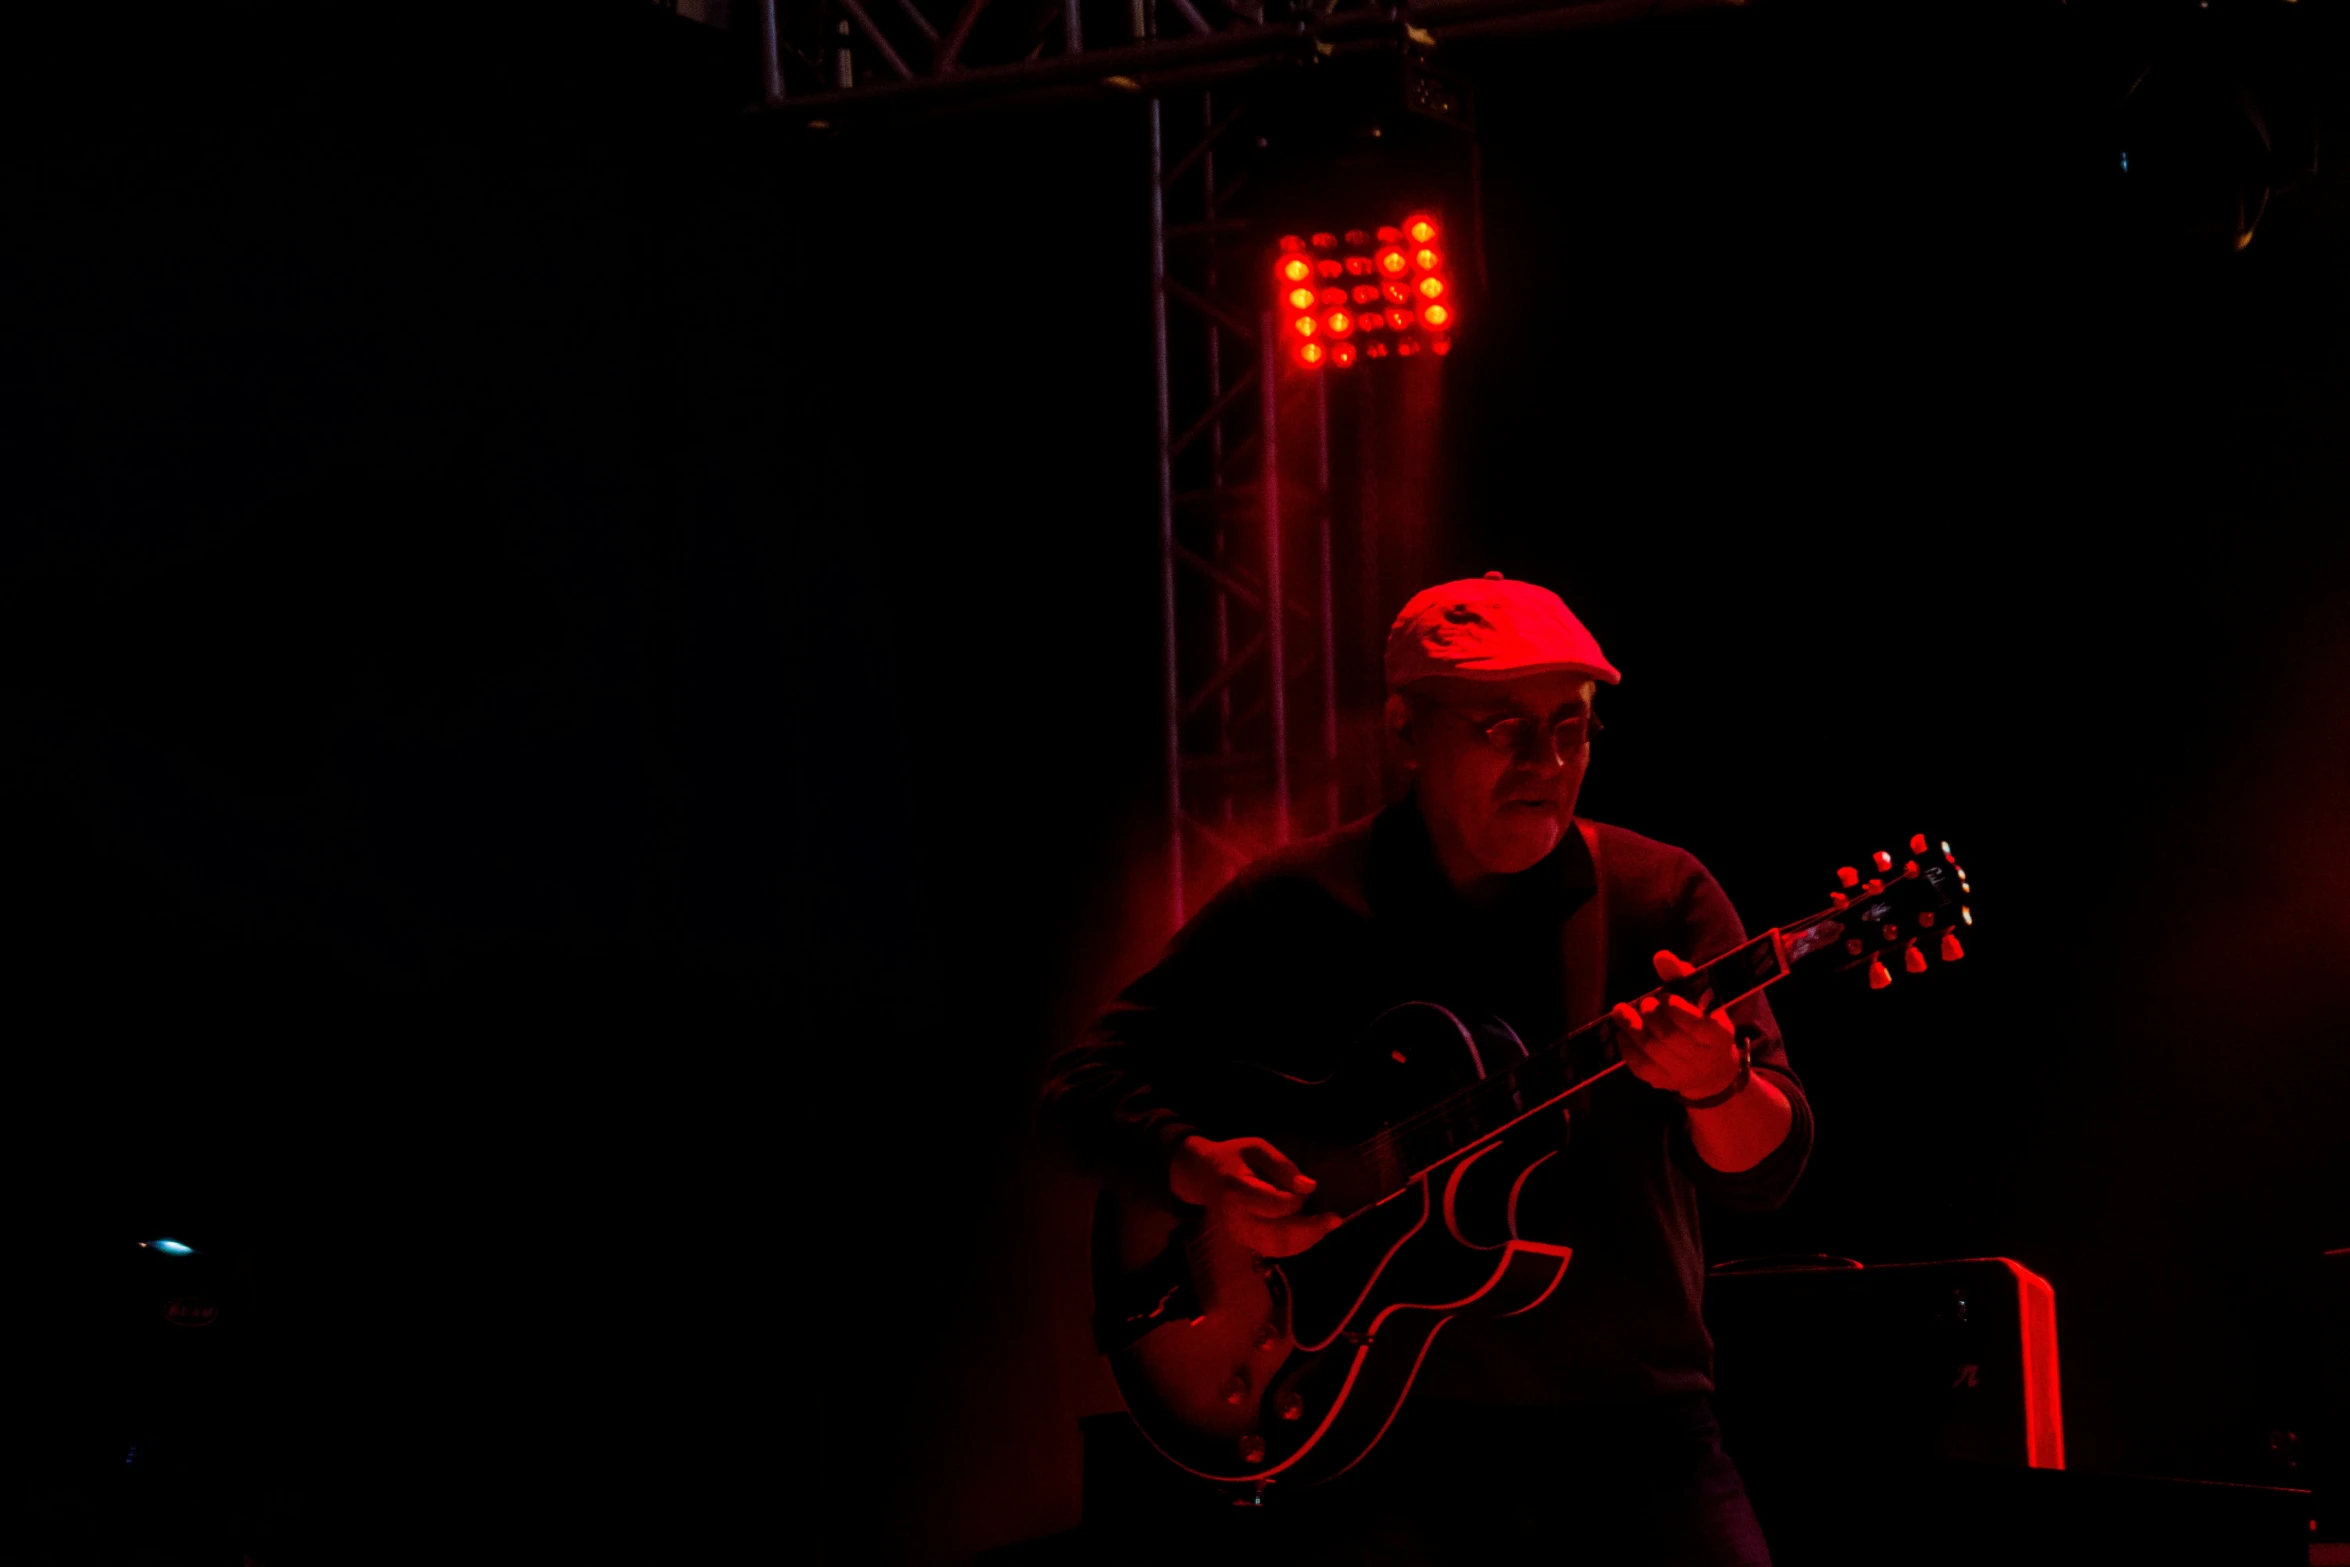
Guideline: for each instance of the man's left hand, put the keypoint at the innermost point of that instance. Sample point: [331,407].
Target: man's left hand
[1674,1045]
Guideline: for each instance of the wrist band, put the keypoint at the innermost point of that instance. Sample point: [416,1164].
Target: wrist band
[1737,1084]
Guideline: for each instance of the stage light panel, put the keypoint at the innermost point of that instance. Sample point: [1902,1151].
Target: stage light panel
[1391,280]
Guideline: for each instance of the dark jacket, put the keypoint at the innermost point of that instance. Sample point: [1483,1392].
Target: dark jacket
[1288,965]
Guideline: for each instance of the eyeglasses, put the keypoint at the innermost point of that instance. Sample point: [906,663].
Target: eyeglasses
[1508,736]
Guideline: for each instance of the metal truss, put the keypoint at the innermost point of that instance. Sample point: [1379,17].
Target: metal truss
[1250,698]
[828,57]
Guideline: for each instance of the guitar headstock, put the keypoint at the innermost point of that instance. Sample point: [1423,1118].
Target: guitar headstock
[1897,912]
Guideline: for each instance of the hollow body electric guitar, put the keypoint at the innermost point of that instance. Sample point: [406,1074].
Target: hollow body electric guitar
[1248,1371]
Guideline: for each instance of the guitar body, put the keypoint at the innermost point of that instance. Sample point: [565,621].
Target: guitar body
[1247,1371]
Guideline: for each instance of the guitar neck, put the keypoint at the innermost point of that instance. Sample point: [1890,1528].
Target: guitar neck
[1492,1105]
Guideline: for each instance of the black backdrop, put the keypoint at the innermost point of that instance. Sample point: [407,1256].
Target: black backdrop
[577,725]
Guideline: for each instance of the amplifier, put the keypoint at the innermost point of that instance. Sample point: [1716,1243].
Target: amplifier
[1888,1364]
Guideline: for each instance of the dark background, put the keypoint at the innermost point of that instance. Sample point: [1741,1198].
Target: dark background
[580,715]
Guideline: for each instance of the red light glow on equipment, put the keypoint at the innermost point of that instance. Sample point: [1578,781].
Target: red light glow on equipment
[1390,281]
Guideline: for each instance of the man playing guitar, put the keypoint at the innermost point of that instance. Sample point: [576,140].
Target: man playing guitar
[1577,1429]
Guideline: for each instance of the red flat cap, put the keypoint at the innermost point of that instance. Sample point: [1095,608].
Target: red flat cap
[1490,628]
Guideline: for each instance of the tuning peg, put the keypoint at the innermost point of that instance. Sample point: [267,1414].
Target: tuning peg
[1951,950]
[1884,861]
[1917,843]
[1913,960]
[1838,900]
[1879,975]
[1846,876]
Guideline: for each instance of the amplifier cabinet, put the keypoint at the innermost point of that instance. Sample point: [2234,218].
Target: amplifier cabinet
[1887,1364]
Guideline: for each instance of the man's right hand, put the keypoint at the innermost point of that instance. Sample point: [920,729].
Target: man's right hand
[1252,1190]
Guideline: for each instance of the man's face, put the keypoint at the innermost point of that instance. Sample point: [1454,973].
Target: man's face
[1492,811]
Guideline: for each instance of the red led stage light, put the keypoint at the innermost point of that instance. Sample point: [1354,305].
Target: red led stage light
[1391,280]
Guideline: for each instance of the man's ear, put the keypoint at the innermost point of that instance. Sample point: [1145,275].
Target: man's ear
[1402,740]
